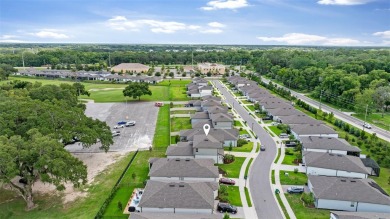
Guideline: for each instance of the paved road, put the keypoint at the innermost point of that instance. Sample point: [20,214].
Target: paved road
[259,182]
[381,133]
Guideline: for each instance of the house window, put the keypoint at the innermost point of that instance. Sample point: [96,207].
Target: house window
[352,204]
[196,150]
[181,178]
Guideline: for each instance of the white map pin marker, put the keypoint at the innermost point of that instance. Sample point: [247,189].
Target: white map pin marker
[206,129]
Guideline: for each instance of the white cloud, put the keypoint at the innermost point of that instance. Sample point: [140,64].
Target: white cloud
[50,33]
[225,4]
[7,37]
[344,2]
[216,24]
[307,39]
[384,34]
[157,26]
[214,31]
[12,41]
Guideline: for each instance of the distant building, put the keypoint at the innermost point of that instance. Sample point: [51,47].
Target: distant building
[213,68]
[130,67]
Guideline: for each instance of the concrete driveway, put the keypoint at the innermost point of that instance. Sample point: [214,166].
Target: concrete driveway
[259,175]
[285,187]
[131,138]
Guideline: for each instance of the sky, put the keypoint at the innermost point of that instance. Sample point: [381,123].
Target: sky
[239,22]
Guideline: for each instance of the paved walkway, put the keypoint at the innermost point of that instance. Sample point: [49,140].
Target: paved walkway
[285,167]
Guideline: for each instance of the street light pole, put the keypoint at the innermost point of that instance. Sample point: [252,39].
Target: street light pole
[365,117]
[320,99]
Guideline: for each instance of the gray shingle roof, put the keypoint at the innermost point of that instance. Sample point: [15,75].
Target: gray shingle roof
[274,104]
[221,117]
[206,88]
[209,97]
[200,124]
[181,149]
[150,215]
[285,111]
[327,143]
[197,195]
[209,141]
[227,134]
[360,215]
[200,115]
[347,189]
[217,109]
[304,129]
[174,167]
[334,162]
[299,119]
[210,103]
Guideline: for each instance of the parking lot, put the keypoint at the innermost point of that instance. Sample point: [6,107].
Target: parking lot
[131,138]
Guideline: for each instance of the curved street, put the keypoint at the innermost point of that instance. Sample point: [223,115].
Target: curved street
[259,177]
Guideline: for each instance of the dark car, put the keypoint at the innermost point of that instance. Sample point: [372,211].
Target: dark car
[121,123]
[227,181]
[267,118]
[226,207]
[262,147]
[295,189]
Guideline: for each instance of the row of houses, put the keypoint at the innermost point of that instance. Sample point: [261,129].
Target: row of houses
[337,172]
[87,76]
[199,87]
[185,183]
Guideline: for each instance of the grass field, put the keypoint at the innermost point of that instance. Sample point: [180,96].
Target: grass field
[178,124]
[51,206]
[383,179]
[179,83]
[303,212]
[233,169]
[183,112]
[376,119]
[177,93]
[289,159]
[233,195]
[248,198]
[162,133]
[275,130]
[243,132]
[245,148]
[246,102]
[251,107]
[292,178]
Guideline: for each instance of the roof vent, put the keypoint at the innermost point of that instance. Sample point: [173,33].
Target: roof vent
[353,181]
[343,180]
[206,139]
[171,185]
[331,154]
[177,159]
[339,155]
[181,186]
[187,159]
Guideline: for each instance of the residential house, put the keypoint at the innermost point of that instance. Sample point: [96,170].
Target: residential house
[214,68]
[179,197]
[222,120]
[183,150]
[266,105]
[328,164]
[285,111]
[200,81]
[131,67]
[358,215]
[209,147]
[210,97]
[205,90]
[199,117]
[200,124]
[229,136]
[328,145]
[209,103]
[217,109]
[196,104]
[347,194]
[154,215]
[188,170]
[194,93]
[297,119]
[305,130]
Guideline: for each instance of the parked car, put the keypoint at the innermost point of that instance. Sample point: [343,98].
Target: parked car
[266,118]
[227,181]
[295,189]
[283,135]
[243,136]
[121,123]
[130,123]
[291,144]
[262,147]
[226,207]
[116,133]
[366,125]
[257,111]
[119,126]
[159,104]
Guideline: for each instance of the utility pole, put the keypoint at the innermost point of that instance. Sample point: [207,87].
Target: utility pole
[365,117]
[23,58]
[109,59]
[320,99]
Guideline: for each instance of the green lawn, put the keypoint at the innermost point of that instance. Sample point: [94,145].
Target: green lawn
[181,83]
[275,130]
[292,178]
[233,195]
[233,169]
[248,198]
[278,155]
[237,123]
[376,119]
[162,132]
[178,124]
[303,212]
[248,166]
[178,93]
[251,107]
[246,102]
[383,179]
[173,140]
[289,159]
[183,112]
[51,206]
[237,94]
[273,176]
[245,148]
[282,206]
[243,132]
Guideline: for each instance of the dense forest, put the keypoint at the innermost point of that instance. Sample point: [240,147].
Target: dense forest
[354,78]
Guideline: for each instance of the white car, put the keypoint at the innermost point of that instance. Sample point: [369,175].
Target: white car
[116,133]
[130,123]
[119,126]
[366,125]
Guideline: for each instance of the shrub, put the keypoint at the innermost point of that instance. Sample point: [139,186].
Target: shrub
[295,170]
[228,158]
[288,151]
[308,199]
[241,142]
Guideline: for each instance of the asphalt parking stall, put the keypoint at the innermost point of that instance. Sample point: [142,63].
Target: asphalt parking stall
[131,138]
